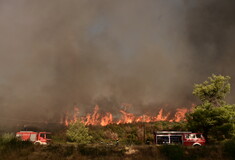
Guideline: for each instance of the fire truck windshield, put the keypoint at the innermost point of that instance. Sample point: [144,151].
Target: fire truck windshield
[42,135]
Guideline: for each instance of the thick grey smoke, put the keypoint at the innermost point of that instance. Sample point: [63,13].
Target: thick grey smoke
[211,31]
[56,54]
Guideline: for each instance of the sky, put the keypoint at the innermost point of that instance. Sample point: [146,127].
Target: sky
[57,54]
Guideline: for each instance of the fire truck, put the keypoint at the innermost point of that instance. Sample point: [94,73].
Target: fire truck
[179,137]
[38,138]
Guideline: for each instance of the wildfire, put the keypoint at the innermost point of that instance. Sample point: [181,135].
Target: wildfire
[106,118]
[180,114]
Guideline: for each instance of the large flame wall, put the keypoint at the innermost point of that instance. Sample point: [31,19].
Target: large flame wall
[103,119]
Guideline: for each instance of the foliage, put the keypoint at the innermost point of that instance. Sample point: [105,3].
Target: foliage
[172,152]
[170,126]
[130,134]
[213,90]
[214,121]
[59,137]
[127,134]
[10,144]
[213,117]
[94,151]
[77,132]
[64,151]
[229,148]
[7,137]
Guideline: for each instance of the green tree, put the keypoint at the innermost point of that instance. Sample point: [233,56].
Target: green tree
[214,90]
[213,117]
[77,132]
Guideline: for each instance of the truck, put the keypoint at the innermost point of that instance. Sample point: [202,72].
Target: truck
[185,138]
[38,138]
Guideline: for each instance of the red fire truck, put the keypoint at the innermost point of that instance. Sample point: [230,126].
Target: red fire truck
[179,137]
[35,137]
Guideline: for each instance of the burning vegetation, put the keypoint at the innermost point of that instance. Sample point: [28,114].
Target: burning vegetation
[106,118]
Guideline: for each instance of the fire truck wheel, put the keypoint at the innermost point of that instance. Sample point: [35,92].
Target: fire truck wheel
[196,145]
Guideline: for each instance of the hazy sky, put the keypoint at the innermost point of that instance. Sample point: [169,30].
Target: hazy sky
[149,53]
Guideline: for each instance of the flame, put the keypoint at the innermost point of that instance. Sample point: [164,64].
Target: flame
[180,114]
[160,116]
[66,119]
[126,117]
[106,118]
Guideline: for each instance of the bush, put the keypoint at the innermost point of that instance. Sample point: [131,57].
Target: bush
[229,148]
[11,146]
[91,151]
[100,150]
[59,137]
[77,132]
[6,138]
[172,152]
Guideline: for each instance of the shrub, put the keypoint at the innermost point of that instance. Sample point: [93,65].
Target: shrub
[77,132]
[172,152]
[11,146]
[6,138]
[229,148]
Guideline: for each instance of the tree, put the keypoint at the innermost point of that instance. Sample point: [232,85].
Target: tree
[77,132]
[213,117]
[213,90]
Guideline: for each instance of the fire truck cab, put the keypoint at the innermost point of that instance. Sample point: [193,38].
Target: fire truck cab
[42,138]
[179,137]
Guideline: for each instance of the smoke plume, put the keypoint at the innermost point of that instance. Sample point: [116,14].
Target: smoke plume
[56,54]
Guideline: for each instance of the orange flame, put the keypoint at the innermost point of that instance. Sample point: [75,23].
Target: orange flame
[180,114]
[107,118]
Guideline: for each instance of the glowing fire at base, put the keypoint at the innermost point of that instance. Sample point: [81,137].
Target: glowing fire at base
[104,119]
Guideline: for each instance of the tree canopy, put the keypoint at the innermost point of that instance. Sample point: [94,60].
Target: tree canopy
[213,90]
[213,117]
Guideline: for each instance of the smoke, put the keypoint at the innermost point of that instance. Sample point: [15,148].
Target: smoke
[57,54]
[211,32]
